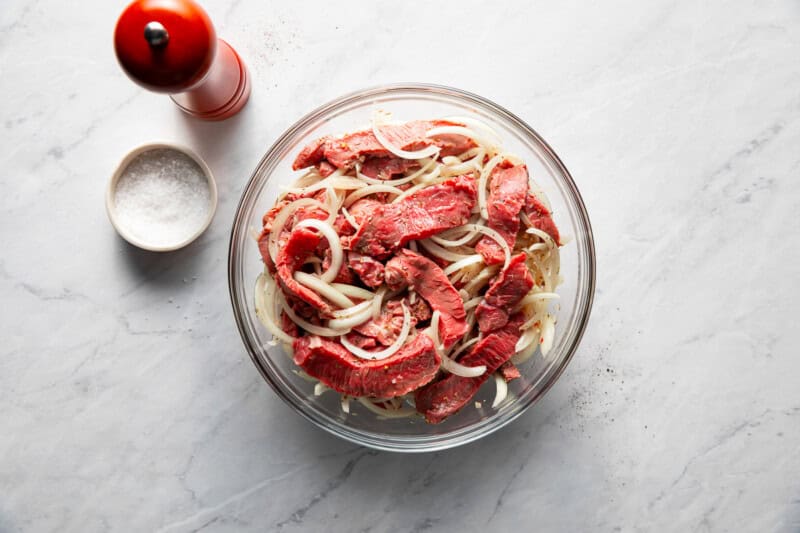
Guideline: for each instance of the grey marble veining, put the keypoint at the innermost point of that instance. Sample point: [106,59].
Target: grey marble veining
[127,402]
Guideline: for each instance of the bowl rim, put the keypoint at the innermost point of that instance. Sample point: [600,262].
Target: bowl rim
[464,435]
[111,209]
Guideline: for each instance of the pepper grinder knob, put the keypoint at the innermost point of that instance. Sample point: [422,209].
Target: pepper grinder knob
[170,46]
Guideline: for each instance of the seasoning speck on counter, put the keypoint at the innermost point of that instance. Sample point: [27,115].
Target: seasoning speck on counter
[162,197]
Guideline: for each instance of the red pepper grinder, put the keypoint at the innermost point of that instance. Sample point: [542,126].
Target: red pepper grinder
[170,46]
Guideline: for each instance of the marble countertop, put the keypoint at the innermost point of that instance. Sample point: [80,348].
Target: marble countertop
[128,403]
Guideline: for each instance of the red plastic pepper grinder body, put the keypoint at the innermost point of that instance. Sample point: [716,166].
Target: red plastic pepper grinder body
[170,46]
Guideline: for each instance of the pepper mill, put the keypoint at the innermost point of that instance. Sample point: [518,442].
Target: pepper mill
[170,46]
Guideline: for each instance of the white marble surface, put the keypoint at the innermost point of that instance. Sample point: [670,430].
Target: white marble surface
[127,402]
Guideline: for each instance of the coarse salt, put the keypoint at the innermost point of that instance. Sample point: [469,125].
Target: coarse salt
[162,197]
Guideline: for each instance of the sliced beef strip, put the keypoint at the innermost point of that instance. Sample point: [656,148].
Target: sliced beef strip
[509,371]
[384,168]
[369,270]
[503,294]
[415,364]
[440,399]
[311,155]
[420,215]
[344,151]
[387,326]
[345,274]
[541,217]
[301,243]
[409,268]
[507,189]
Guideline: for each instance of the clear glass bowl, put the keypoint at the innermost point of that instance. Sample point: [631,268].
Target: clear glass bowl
[409,102]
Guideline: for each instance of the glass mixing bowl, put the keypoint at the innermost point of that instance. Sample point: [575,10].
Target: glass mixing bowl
[409,102]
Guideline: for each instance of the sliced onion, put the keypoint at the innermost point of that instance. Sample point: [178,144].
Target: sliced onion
[537,297]
[353,292]
[337,254]
[399,152]
[483,182]
[492,234]
[280,221]
[529,336]
[350,311]
[350,219]
[502,389]
[265,303]
[324,289]
[476,283]
[539,233]
[349,322]
[334,181]
[464,346]
[431,179]
[449,364]
[377,302]
[319,388]
[308,326]
[460,370]
[548,333]
[388,352]
[478,125]
[468,165]
[462,131]
[402,412]
[438,251]
[370,189]
[333,204]
[425,164]
[462,263]
[346,404]
[474,302]
[448,243]
[520,357]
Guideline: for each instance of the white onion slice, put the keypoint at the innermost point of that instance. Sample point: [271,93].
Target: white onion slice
[326,290]
[460,370]
[280,221]
[463,347]
[319,388]
[438,251]
[399,152]
[476,283]
[462,263]
[521,357]
[370,189]
[353,292]
[474,302]
[502,390]
[388,352]
[529,336]
[346,404]
[539,233]
[349,322]
[479,125]
[350,311]
[308,326]
[377,302]
[426,166]
[334,181]
[431,179]
[449,364]
[462,131]
[483,183]
[264,304]
[350,219]
[337,254]
[489,232]
[536,297]
[548,333]
[402,412]
[448,243]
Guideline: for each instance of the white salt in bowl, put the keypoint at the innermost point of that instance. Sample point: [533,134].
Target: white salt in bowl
[161,197]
